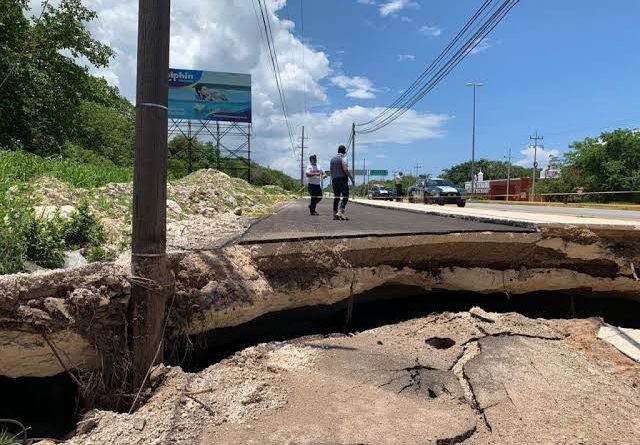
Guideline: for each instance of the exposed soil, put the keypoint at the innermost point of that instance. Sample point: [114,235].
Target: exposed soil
[488,379]
[203,209]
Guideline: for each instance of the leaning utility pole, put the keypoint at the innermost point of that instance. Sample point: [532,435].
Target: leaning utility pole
[535,138]
[353,152]
[152,280]
[509,174]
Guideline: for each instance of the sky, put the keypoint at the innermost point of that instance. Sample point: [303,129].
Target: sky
[566,69]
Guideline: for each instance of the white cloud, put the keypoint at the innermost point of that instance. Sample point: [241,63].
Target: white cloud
[328,130]
[357,87]
[542,156]
[432,31]
[222,35]
[406,58]
[482,46]
[395,6]
[367,2]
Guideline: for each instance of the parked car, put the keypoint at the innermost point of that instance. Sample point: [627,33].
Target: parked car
[378,192]
[437,191]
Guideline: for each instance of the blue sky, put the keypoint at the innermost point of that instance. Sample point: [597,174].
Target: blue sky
[564,68]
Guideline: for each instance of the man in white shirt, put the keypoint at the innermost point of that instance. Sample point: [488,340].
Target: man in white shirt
[314,183]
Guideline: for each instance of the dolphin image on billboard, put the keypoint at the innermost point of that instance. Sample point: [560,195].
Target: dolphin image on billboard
[208,95]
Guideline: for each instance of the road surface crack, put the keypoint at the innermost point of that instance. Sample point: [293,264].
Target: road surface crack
[459,438]
[470,351]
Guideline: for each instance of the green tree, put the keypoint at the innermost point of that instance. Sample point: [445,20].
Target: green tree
[42,87]
[610,162]
[461,173]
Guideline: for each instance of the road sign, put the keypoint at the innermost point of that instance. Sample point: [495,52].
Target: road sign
[378,172]
[359,172]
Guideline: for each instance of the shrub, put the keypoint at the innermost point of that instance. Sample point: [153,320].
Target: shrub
[97,253]
[45,240]
[83,228]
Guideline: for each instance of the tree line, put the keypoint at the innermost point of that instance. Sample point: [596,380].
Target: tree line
[52,106]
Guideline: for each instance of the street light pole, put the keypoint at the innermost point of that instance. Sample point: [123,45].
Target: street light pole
[473,137]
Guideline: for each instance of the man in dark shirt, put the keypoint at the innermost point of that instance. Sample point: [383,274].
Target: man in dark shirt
[340,176]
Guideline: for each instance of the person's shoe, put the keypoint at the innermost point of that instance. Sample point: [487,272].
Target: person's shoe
[336,217]
[314,214]
[342,216]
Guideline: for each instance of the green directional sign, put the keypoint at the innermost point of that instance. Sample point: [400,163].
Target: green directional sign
[378,172]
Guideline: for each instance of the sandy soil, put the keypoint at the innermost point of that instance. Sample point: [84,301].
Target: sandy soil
[472,377]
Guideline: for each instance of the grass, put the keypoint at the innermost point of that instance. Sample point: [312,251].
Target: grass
[7,438]
[100,224]
[20,167]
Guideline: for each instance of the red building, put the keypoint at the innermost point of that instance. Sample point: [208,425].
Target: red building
[519,189]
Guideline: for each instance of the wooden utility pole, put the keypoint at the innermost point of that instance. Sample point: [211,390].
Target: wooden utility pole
[535,140]
[152,279]
[509,175]
[302,159]
[353,152]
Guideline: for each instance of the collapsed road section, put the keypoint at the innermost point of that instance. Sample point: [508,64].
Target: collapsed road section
[67,329]
[77,319]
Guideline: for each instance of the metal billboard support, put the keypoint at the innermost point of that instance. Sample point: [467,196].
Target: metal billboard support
[231,141]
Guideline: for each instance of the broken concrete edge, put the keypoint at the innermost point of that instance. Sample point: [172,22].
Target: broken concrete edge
[505,221]
[84,311]
[624,340]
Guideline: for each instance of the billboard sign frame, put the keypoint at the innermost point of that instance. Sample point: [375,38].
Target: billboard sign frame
[209,96]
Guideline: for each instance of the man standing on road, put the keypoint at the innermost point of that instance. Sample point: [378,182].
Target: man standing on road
[340,176]
[314,179]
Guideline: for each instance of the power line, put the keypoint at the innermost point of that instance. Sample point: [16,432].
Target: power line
[304,73]
[431,67]
[264,22]
[462,52]
[479,31]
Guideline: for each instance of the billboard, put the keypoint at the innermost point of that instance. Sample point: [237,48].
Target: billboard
[208,95]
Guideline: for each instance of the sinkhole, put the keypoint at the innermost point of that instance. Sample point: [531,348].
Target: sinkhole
[49,407]
[392,304]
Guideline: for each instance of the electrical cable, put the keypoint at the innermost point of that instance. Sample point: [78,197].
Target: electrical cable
[466,49]
[430,68]
[264,23]
[479,32]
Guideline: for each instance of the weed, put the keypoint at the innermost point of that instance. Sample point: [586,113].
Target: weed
[83,228]
[8,438]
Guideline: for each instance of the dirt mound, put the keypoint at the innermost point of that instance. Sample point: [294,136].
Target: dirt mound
[203,208]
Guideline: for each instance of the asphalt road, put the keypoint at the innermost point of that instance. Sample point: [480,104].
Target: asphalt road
[625,215]
[293,222]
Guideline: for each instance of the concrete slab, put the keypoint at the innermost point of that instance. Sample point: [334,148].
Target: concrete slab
[293,222]
[625,340]
[511,214]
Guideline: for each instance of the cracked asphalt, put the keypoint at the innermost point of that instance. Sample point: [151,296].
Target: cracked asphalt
[471,377]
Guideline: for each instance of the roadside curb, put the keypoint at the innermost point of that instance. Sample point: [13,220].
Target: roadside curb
[485,219]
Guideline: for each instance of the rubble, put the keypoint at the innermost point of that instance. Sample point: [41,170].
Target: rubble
[507,379]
